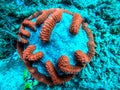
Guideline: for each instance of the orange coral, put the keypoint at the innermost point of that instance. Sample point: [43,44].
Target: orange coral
[49,18]
[22,40]
[20,48]
[81,57]
[49,25]
[29,24]
[34,72]
[27,54]
[44,14]
[54,76]
[68,12]
[75,25]
[24,32]
[36,14]
[40,19]
[64,65]
[91,44]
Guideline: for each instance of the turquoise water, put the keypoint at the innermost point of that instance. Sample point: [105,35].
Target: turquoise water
[103,18]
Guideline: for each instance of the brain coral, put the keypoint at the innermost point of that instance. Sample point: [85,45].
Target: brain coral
[55,44]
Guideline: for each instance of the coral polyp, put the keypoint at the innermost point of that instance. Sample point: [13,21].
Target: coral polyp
[54,46]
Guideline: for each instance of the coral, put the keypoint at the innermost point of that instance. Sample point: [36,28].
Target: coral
[91,43]
[27,54]
[34,72]
[29,24]
[64,65]
[75,25]
[41,18]
[103,19]
[24,32]
[48,20]
[22,40]
[54,76]
[49,25]
[81,57]
[44,14]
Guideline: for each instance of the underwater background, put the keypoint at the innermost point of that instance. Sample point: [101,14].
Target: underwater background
[103,18]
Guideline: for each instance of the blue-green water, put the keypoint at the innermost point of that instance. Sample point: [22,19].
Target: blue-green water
[104,20]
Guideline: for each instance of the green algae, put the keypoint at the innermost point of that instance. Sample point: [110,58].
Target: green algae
[28,82]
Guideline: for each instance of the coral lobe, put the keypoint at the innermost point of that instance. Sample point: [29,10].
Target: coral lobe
[75,25]
[49,24]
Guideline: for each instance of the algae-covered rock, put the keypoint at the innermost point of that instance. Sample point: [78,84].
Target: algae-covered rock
[50,1]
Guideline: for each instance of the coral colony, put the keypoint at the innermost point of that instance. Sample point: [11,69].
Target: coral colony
[54,46]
